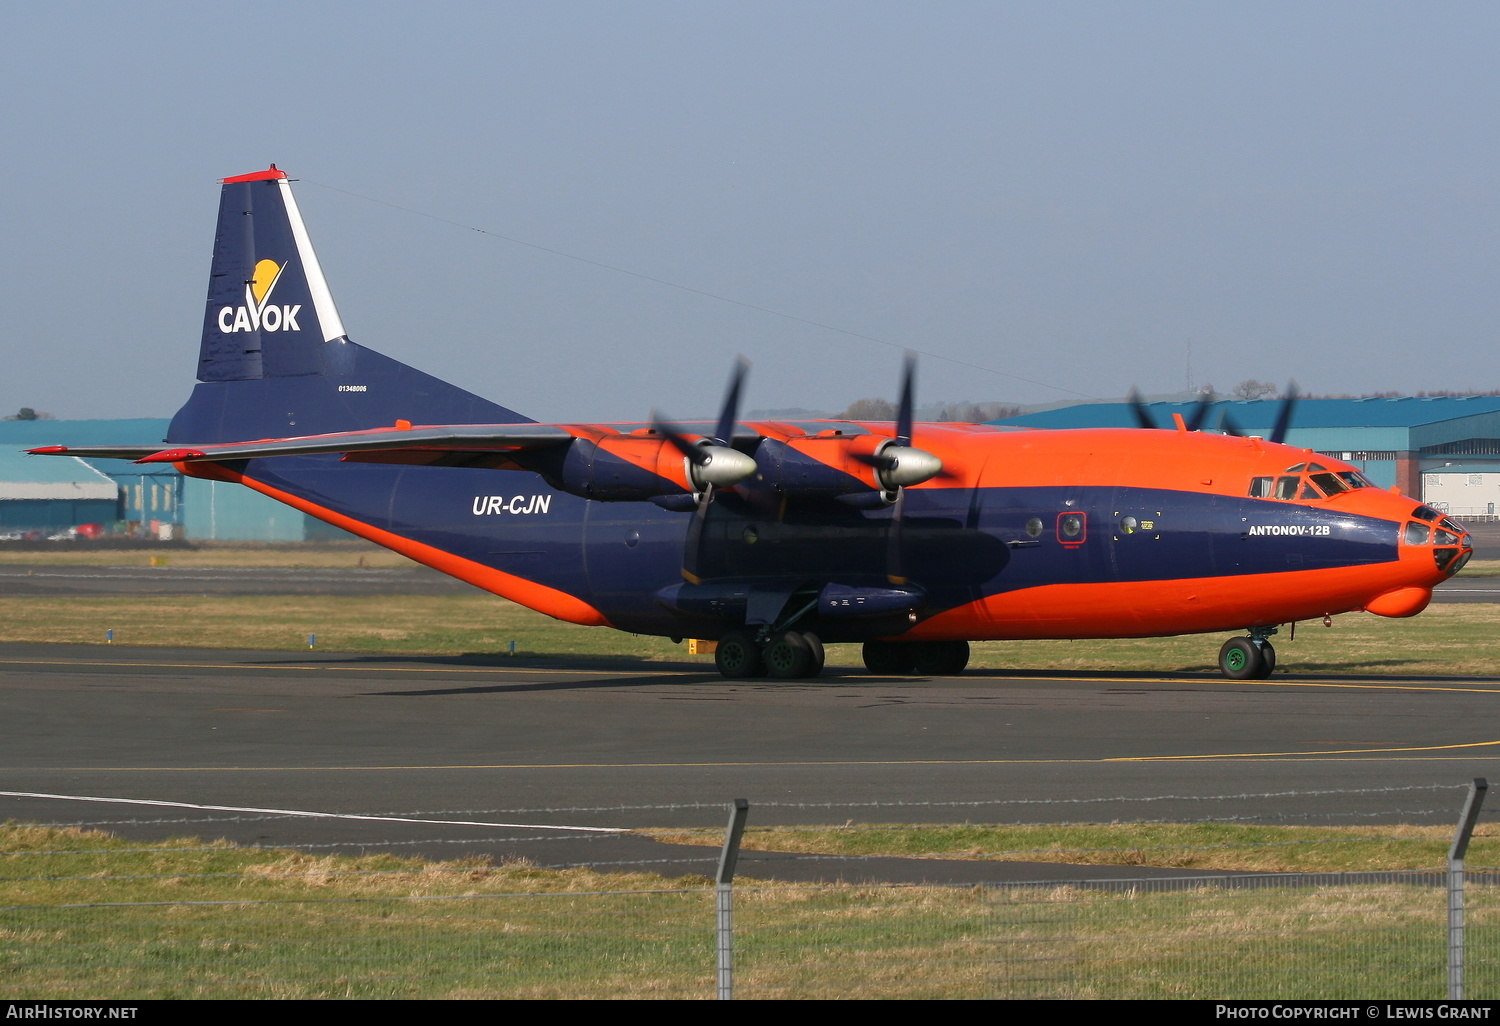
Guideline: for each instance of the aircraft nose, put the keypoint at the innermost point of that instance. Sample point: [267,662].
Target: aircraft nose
[1447,539]
[1449,546]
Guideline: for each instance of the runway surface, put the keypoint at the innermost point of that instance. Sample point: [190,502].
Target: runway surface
[549,748]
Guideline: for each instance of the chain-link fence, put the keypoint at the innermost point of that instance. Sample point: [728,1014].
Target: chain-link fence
[88,916]
[1373,935]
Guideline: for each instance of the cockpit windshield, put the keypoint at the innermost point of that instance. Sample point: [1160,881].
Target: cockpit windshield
[1306,481]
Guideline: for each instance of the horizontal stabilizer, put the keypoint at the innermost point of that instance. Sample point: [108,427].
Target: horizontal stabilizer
[448,438]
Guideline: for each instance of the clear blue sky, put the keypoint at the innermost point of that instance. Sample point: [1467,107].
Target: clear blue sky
[1072,193]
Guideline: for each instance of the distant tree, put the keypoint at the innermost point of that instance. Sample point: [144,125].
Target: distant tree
[1253,389]
[869,409]
[27,413]
[976,413]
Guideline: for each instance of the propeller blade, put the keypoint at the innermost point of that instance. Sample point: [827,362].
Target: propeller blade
[692,549]
[695,453]
[1229,427]
[878,460]
[729,411]
[1200,411]
[1137,407]
[904,411]
[1284,415]
[895,569]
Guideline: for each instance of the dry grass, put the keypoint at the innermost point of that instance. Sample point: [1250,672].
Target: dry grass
[1223,847]
[425,625]
[1458,640]
[83,915]
[306,555]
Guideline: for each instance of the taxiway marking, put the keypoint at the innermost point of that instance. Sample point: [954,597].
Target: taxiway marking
[303,814]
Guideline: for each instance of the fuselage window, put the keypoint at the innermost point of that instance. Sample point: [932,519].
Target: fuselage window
[1034,527]
[1070,528]
[1128,525]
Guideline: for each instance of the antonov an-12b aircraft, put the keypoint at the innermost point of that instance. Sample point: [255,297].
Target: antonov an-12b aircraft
[773,537]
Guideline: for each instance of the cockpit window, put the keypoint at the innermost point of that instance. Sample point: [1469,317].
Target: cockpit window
[1260,487]
[1425,513]
[1416,534]
[1286,487]
[1331,484]
[1354,479]
[1452,525]
[1296,468]
[1445,538]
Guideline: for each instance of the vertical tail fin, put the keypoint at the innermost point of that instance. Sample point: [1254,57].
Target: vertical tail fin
[274,359]
[269,310]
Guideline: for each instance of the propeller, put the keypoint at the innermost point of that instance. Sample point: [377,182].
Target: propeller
[711,463]
[898,465]
[1226,424]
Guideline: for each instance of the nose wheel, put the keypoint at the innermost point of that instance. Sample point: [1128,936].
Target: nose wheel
[1247,659]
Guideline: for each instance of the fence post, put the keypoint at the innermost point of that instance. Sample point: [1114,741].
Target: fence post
[1456,852]
[724,896]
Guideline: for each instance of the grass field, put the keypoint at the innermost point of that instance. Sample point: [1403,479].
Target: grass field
[1226,847]
[83,915]
[309,555]
[1446,640]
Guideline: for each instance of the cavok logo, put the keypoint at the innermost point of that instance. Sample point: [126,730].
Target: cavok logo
[258,313]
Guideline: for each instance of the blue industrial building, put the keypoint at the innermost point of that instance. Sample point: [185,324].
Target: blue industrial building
[58,494]
[151,499]
[1403,441]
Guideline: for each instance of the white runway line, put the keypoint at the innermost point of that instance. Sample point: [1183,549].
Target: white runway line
[310,815]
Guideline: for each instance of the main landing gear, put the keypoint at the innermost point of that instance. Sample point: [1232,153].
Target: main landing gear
[789,655]
[1251,658]
[923,658]
[785,655]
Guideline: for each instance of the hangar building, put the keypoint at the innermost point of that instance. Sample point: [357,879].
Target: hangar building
[1444,450]
[54,494]
[151,494]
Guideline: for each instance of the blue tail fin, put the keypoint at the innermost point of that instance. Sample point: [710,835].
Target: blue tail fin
[275,361]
